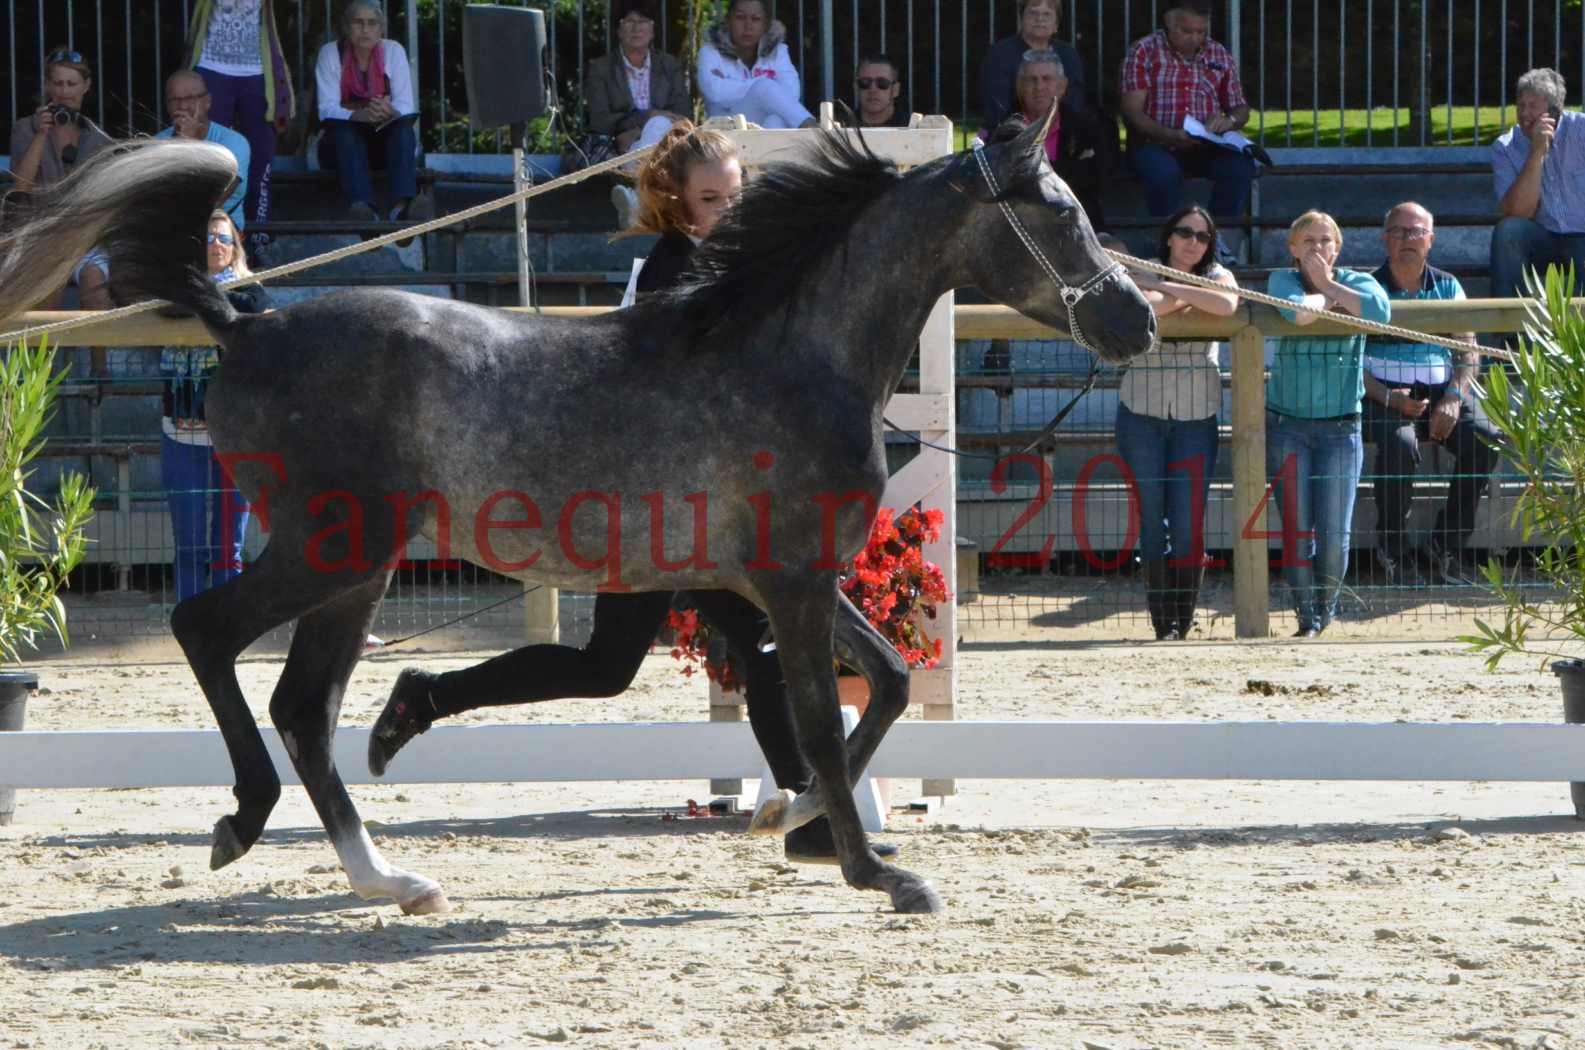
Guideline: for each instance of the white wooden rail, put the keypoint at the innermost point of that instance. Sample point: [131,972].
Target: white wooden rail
[946,750]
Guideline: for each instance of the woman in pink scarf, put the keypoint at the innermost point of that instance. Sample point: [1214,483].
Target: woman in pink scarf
[369,115]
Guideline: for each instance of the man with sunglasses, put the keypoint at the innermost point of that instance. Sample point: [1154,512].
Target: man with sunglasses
[877,89]
[1415,392]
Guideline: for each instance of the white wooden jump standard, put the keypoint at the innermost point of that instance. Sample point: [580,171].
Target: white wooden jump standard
[978,750]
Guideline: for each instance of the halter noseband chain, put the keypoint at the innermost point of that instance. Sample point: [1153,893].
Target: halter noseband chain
[1070,295]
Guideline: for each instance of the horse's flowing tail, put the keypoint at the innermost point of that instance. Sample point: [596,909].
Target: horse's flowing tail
[146,204]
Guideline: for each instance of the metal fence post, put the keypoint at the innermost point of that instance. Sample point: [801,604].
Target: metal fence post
[1251,606]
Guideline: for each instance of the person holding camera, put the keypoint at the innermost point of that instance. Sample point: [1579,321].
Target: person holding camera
[49,145]
[57,138]
[1413,393]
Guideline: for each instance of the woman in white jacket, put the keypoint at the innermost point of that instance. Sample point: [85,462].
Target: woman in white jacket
[744,68]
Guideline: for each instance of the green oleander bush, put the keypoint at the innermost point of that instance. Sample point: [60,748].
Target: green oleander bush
[41,542]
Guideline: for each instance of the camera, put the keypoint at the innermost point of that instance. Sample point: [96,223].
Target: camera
[64,115]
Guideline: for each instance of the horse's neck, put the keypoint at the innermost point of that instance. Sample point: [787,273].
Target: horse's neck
[876,293]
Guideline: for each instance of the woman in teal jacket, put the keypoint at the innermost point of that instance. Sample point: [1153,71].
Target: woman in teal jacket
[1314,448]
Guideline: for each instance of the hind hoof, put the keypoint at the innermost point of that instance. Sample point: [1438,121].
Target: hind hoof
[432,903]
[771,815]
[226,847]
[400,721]
[917,898]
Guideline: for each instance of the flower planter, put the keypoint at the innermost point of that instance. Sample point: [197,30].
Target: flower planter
[14,689]
[1571,673]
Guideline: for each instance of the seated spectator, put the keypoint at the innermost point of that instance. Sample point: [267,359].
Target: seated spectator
[1414,393]
[1038,21]
[1166,425]
[1075,145]
[367,108]
[684,188]
[1174,73]
[1313,447]
[187,101]
[1536,167]
[235,47]
[57,139]
[877,86]
[208,516]
[744,69]
[635,95]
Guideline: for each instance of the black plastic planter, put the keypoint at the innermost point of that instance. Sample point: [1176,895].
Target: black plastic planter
[1572,674]
[14,689]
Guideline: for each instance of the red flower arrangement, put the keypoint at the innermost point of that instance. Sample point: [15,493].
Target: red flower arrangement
[889,583]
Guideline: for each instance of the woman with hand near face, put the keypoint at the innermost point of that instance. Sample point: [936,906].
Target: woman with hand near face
[1314,448]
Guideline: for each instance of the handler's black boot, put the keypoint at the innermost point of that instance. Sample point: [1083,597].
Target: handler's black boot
[409,711]
[813,844]
[1159,600]
[1187,581]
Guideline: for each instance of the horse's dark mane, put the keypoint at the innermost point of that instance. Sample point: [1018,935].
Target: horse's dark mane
[790,217]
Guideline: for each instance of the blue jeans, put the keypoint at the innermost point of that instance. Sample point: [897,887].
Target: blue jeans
[1518,244]
[1318,509]
[1167,458]
[1162,170]
[208,517]
[355,150]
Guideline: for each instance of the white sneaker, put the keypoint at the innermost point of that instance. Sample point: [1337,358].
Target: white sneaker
[625,200]
[373,642]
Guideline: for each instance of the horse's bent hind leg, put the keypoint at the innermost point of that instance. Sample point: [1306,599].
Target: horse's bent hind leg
[803,620]
[859,645]
[213,627]
[305,707]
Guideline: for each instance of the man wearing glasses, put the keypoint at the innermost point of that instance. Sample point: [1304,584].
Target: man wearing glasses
[877,89]
[187,101]
[1415,392]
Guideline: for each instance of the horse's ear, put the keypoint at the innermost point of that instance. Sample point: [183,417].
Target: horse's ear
[1033,138]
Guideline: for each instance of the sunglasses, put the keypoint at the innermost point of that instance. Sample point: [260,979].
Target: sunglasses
[64,56]
[1191,234]
[221,238]
[883,83]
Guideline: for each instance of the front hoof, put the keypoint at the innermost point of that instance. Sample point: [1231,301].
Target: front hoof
[432,903]
[769,818]
[917,897]
[227,847]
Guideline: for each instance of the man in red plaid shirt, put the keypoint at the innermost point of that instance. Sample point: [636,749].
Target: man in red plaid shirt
[1173,73]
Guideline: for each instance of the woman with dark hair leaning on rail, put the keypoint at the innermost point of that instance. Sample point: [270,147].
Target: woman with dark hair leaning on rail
[684,187]
[1166,425]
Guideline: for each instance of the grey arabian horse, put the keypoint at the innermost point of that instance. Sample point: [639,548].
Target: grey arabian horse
[726,435]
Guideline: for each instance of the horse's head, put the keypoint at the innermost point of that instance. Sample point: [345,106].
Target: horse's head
[1037,253]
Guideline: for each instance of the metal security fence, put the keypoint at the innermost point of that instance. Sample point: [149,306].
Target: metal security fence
[1369,72]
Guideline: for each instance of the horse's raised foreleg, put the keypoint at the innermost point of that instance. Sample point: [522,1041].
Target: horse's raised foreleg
[213,627]
[305,707]
[624,627]
[859,645]
[803,620]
